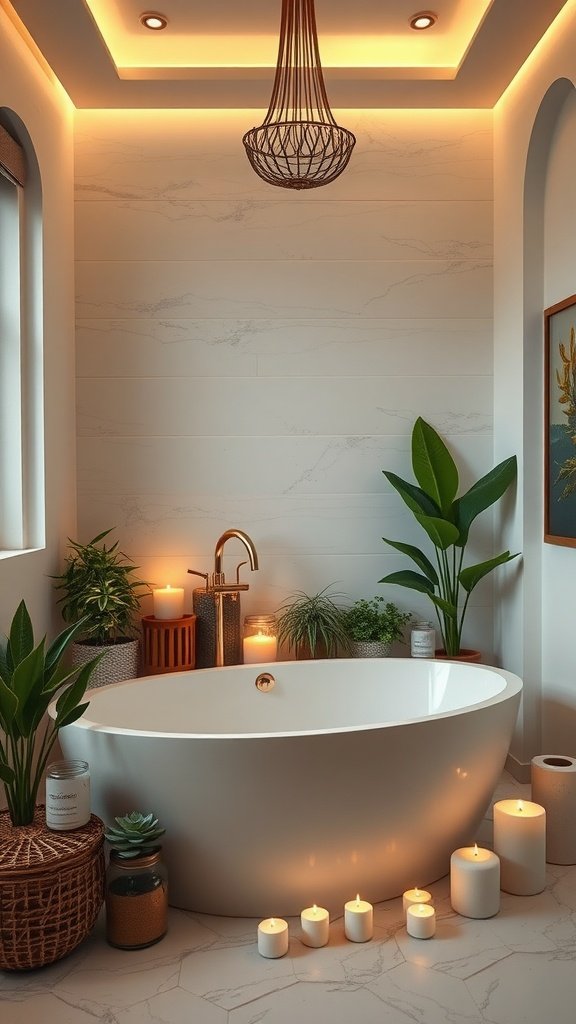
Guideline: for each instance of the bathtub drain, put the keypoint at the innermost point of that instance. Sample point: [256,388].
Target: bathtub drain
[264,682]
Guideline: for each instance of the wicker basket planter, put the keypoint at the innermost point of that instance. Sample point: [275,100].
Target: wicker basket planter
[51,890]
[120,661]
[369,649]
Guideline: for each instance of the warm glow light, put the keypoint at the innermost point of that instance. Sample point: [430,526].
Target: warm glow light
[475,849]
[423,20]
[357,897]
[160,55]
[153,20]
[520,805]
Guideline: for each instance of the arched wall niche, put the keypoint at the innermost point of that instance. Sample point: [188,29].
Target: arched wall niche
[542,712]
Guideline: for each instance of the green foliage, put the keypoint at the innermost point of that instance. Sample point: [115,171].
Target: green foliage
[375,621]
[98,586]
[309,622]
[134,835]
[446,519]
[31,677]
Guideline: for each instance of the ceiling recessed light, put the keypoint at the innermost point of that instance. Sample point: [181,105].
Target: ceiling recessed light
[425,19]
[153,20]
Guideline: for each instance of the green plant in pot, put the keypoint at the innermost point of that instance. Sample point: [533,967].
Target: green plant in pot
[31,677]
[136,883]
[373,626]
[446,519]
[98,584]
[312,626]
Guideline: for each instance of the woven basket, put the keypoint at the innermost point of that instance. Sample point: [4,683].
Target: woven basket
[51,889]
[121,661]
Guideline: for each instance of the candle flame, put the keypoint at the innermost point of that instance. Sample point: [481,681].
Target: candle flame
[475,849]
[315,909]
[168,587]
[272,922]
[520,805]
[416,891]
[357,897]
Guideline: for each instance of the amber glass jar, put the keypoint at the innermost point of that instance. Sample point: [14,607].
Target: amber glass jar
[136,900]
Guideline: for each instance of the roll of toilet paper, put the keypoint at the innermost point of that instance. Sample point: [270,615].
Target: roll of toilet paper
[554,787]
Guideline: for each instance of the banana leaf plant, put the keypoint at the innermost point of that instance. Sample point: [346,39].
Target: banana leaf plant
[446,519]
[31,677]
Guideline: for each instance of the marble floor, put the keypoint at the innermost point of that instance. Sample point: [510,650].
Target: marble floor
[516,968]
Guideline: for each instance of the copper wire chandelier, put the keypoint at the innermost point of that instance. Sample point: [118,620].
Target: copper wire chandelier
[299,144]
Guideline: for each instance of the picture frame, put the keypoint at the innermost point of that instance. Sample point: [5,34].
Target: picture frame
[560,423]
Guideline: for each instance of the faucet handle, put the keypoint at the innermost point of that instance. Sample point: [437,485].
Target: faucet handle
[204,575]
[238,567]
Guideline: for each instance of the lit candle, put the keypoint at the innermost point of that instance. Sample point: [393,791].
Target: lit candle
[421,921]
[358,920]
[413,896]
[520,842]
[475,882]
[273,937]
[315,923]
[168,602]
[259,648]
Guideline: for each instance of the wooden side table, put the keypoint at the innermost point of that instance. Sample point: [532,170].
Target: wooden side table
[169,645]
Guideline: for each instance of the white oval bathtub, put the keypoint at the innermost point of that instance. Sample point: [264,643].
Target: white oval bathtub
[348,776]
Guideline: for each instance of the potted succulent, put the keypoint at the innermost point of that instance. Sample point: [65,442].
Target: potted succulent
[98,585]
[373,626]
[446,519]
[312,626]
[35,863]
[136,882]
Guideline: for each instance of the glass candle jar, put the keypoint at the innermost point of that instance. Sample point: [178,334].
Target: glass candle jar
[260,643]
[423,640]
[136,900]
[67,795]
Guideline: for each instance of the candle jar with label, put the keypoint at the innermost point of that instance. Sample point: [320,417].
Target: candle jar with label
[260,642]
[67,795]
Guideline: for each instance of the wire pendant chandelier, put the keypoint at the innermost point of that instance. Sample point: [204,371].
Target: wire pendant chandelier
[299,144]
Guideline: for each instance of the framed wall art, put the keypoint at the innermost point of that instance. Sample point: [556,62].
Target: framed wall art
[560,423]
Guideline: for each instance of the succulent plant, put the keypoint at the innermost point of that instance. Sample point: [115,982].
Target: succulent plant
[134,835]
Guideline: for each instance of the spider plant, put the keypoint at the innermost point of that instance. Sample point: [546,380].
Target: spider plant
[312,626]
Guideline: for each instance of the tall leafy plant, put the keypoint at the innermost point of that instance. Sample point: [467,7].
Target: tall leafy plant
[31,677]
[446,519]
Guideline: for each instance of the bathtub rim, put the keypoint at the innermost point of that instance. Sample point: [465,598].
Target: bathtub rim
[512,687]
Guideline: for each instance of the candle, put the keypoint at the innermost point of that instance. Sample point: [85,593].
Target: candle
[273,937]
[413,896]
[168,602]
[358,920]
[475,882]
[421,921]
[259,648]
[520,842]
[315,923]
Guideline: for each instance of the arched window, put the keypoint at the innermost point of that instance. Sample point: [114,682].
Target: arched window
[22,522]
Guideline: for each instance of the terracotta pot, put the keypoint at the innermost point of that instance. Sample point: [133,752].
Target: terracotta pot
[465,655]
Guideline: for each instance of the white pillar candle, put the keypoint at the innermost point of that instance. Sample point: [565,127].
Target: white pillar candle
[421,921]
[168,602]
[358,920]
[520,842]
[475,882]
[315,923]
[273,937]
[413,896]
[259,648]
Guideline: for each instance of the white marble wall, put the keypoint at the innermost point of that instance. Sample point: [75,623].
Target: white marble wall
[253,357]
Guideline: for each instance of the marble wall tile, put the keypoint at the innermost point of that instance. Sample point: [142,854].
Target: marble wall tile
[254,357]
[281,289]
[278,407]
[198,154]
[270,230]
[262,347]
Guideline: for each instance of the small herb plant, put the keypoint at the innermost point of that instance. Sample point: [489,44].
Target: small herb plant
[31,677]
[134,835]
[314,624]
[375,621]
[98,585]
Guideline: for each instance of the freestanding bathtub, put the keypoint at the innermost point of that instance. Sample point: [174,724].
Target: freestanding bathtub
[349,776]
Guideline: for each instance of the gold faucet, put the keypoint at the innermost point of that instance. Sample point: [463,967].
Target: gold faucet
[216,582]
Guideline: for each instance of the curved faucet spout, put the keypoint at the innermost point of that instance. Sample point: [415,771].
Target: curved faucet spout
[248,544]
